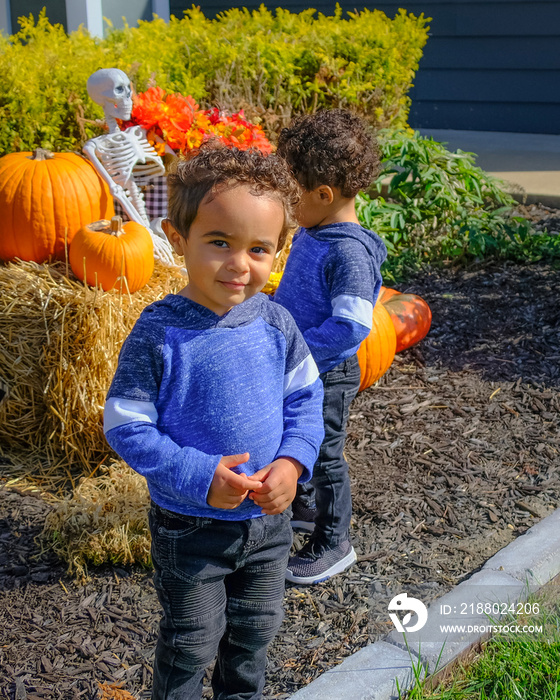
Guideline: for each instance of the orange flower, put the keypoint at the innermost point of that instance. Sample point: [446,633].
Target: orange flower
[184,127]
[149,107]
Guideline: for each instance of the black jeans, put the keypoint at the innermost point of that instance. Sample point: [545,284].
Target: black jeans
[221,587]
[329,489]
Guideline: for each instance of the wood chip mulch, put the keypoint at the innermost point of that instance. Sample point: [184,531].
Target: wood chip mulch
[453,454]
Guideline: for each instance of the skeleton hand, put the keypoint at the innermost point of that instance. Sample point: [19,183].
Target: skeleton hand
[162,250]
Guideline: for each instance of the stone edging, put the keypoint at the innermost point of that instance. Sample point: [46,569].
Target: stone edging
[372,673]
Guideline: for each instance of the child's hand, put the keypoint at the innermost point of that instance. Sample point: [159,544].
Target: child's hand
[229,489]
[279,483]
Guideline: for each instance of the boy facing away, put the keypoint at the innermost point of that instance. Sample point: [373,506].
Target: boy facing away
[217,402]
[330,284]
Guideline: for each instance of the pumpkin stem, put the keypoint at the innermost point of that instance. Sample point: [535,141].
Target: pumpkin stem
[116,226]
[41,154]
[113,227]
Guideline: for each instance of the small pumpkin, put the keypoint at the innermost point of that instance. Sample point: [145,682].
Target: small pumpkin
[273,281]
[44,199]
[105,252]
[410,314]
[377,351]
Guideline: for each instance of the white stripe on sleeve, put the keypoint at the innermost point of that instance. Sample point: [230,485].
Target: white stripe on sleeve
[354,309]
[301,376]
[121,411]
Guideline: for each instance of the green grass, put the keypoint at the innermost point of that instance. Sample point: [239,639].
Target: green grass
[524,666]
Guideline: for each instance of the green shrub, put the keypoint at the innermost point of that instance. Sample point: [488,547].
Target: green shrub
[271,64]
[441,206]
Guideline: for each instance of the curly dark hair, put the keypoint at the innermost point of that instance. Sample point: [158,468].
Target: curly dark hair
[331,147]
[216,167]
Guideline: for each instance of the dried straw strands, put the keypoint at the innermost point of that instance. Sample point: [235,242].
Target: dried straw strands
[59,344]
[105,520]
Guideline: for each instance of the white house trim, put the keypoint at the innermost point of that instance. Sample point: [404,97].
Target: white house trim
[5,17]
[86,12]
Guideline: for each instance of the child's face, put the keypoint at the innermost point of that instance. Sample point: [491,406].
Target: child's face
[230,247]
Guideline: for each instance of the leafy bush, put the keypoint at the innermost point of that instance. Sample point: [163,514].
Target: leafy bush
[272,65]
[42,94]
[441,206]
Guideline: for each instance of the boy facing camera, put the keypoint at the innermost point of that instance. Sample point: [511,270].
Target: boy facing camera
[216,401]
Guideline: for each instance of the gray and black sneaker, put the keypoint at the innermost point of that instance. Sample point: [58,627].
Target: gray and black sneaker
[316,562]
[303,517]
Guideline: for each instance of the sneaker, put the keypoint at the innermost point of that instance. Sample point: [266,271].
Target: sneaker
[315,562]
[303,517]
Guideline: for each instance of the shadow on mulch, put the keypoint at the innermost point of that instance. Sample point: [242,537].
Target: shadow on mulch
[501,322]
[453,454]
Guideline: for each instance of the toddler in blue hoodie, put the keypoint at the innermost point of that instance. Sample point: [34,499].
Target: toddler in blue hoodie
[330,285]
[217,402]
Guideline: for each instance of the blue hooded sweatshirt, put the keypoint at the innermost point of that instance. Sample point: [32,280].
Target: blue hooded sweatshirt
[192,386]
[330,285]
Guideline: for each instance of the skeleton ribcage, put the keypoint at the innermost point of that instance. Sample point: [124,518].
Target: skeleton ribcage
[128,157]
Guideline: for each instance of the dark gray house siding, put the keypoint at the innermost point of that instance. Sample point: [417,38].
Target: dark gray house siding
[114,11]
[489,65]
[56,11]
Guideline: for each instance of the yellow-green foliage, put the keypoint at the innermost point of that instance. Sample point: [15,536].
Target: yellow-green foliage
[271,64]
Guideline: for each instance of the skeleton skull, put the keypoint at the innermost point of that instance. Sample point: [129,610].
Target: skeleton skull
[110,88]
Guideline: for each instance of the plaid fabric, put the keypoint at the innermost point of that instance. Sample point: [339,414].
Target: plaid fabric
[155,199]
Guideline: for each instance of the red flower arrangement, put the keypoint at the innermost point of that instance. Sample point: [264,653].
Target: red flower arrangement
[178,121]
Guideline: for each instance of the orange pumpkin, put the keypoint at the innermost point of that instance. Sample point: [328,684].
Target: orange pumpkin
[411,317]
[44,199]
[377,351]
[105,252]
[385,293]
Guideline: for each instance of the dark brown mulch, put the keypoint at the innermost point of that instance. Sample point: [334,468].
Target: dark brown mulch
[453,454]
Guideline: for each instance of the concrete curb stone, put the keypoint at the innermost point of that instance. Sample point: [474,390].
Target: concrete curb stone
[372,673]
[379,666]
[533,557]
[483,587]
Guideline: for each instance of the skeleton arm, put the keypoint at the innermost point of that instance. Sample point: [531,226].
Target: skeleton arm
[116,190]
[162,248]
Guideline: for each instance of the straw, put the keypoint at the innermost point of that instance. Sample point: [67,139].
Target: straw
[59,346]
[105,520]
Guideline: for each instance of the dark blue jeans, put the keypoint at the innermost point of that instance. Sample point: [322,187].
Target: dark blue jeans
[221,587]
[329,489]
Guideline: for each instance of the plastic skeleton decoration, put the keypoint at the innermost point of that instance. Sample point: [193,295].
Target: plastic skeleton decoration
[125,159]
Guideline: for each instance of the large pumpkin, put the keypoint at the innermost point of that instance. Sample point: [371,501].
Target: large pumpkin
[106,252]
[410,314]
[377,351]
[44,199]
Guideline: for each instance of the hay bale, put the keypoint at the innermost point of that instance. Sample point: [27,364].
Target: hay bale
[104,521]
[59,345]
